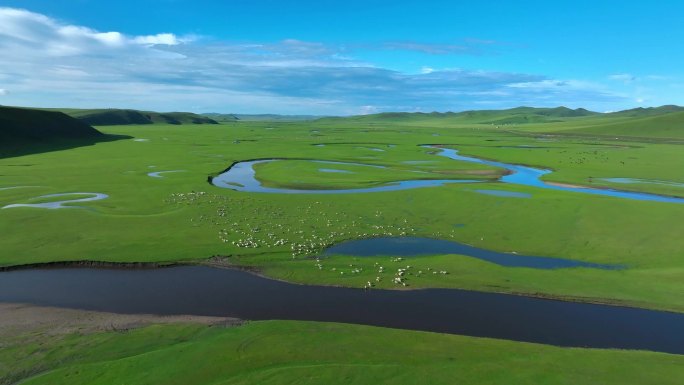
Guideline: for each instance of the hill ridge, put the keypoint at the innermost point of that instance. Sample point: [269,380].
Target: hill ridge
[119,116]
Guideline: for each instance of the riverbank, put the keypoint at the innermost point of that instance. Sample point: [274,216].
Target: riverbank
[277,352]
[17,318]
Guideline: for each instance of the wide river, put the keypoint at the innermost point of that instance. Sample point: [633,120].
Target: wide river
[225,292]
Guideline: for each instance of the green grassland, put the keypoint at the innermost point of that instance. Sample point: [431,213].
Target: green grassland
[154,219]
[660,126]
[181,217]
[286,352]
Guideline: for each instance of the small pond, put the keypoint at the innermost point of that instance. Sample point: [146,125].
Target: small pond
[158,174]
[417,246]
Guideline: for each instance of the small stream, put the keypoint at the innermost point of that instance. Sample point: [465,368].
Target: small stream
[61,203]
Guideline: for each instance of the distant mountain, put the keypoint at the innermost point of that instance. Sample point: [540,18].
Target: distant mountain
[115,117]
[275,117]
[518,115]
[649,111]
[221,117]
[260,117]
[24,124]
[663,122]
[558,112]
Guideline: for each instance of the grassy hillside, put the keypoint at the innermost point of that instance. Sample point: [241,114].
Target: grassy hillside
[29,131]
[663,125]
[522,115]
[287,352]
[117,117]
[23,124]
[650,111]
[654,123]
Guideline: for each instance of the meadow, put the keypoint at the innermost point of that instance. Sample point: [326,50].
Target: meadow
[286,352]
[148,219]
[178,217]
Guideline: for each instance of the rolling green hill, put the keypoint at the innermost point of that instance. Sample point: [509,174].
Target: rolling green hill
[518,115]
[23,124]
[664,125]
[665,122]
[116,117]
[650,111]
[27,131]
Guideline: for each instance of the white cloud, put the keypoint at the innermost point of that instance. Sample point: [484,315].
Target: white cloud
[49,63]
[3,92]
[31,34]
[161,38]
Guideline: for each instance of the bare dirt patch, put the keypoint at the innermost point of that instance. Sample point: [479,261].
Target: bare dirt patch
[20,318]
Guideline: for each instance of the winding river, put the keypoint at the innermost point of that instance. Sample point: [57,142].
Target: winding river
[61,203]
[530,176]
[241,176]
[208,291]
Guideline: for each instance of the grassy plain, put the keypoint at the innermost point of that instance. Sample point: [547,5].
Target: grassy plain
[180,217]
[287,352]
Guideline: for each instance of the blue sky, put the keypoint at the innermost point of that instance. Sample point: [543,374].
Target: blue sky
[340,57]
